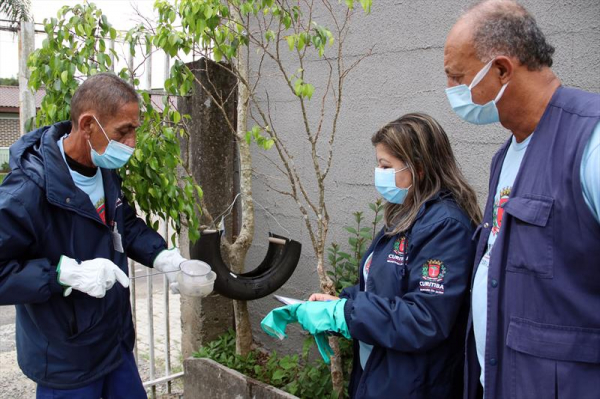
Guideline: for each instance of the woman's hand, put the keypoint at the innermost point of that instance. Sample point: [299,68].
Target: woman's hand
[322,297]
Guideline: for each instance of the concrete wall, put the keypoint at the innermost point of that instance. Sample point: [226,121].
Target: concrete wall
[404,74]
[205,378]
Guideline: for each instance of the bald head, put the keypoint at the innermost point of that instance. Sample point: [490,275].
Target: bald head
[503,27]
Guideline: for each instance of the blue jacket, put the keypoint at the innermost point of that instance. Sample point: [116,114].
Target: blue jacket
[415,308]
[64,343]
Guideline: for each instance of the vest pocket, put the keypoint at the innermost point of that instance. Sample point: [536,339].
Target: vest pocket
[552,361]
[530,241]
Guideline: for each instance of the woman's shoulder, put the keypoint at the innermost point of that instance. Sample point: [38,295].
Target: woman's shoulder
[442,209]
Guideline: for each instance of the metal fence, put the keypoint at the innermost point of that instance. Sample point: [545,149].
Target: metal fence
[153,338]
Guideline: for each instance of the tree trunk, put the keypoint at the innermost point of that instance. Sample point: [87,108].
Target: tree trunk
[337,374]
[243,340]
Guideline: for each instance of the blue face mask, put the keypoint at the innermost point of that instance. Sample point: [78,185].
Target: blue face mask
[462,102]
[115,155]
[385,182]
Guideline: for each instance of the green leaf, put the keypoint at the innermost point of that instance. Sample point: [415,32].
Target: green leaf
[351,230]
[64,76]
[298,86]
[291,41]
[366,5]
[308,90]
[268,144]
[278,375]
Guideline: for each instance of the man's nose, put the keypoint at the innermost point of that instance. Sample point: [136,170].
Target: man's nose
[130,141]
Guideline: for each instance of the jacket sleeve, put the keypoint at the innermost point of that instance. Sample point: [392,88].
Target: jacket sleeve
[423,317]
[349,292]
[22,281]
[142,243]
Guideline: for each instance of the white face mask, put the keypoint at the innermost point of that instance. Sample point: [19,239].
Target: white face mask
[461,100]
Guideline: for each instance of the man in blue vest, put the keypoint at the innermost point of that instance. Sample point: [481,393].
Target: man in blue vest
[66,231]
[534,329]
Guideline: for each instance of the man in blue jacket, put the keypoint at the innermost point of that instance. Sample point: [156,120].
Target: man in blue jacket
[533,330]
[66,231]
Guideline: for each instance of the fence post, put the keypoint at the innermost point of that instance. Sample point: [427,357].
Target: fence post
[26,99]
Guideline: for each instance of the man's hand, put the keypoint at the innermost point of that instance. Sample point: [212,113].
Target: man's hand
[93,277]
[168,262]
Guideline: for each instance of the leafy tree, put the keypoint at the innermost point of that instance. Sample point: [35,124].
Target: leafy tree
[78,45]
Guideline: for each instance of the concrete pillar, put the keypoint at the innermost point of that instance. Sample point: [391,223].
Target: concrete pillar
[210,152]
[26,99]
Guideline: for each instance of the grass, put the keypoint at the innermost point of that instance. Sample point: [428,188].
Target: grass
[2,175]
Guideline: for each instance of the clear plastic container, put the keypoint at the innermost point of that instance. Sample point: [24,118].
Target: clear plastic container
[195,278]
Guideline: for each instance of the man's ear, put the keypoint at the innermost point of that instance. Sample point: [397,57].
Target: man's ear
[505,67]
[85,123]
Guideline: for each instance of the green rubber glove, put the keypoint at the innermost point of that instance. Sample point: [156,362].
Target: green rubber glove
[277,320]
[323,316]
[325,350]
[318,318]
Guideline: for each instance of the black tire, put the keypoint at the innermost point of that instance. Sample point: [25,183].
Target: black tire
[275,270]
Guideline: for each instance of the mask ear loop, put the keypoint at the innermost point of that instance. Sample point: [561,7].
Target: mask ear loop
[499,96]
[101,128]
[481,74]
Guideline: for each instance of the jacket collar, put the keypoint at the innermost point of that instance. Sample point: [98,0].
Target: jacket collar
[439,196]
[39,157]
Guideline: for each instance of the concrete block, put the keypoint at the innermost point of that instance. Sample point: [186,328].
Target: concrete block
[205,378]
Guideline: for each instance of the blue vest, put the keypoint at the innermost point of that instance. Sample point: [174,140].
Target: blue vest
[543,332]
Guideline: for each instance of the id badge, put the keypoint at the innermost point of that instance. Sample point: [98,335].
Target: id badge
[117,243]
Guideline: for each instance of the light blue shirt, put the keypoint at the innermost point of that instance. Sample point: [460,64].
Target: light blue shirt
[590,183]
[92,186]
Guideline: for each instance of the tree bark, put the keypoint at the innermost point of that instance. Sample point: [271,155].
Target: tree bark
[243,340]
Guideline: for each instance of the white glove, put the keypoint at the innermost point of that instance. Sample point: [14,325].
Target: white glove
[168,262]
[93,277]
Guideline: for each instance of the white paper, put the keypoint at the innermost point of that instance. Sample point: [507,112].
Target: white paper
[287,301]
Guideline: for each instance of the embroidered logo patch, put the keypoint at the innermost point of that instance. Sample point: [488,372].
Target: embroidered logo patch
[499,209]
[432,277]
[398,255]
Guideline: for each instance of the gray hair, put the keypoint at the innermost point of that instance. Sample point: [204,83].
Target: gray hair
[103,93]
[507,28]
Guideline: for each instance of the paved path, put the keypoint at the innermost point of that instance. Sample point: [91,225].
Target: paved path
[13,384]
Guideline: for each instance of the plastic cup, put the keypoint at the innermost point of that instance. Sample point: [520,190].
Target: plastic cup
[195,278]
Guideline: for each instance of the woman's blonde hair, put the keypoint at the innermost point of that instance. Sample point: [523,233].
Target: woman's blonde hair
[421,143]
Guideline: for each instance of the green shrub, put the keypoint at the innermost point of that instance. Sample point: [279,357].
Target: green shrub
[344,265]
[4,167]
[292,373]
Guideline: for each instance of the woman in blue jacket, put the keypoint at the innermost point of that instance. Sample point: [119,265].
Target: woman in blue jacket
[407,315]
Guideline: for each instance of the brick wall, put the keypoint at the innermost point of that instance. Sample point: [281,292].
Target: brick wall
[9,130]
